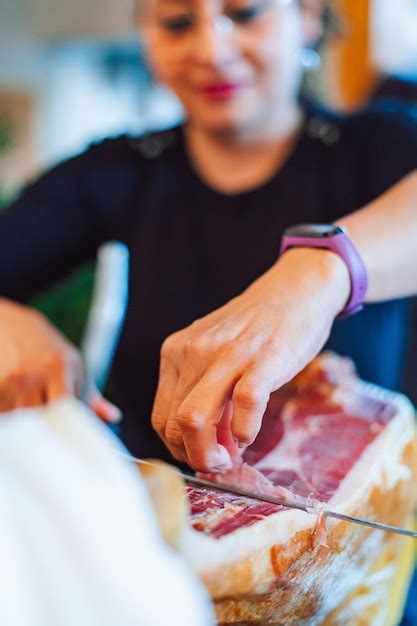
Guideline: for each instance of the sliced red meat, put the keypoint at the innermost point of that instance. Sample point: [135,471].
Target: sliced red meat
[219,513]
[270,434]
[313,432]
[327,457]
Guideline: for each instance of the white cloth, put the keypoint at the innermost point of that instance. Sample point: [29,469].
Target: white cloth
[78,538]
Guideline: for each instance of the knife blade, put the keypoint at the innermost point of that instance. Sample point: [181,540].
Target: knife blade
[253,495]
[100,339]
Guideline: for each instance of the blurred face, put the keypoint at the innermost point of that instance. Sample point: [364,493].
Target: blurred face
[232,63]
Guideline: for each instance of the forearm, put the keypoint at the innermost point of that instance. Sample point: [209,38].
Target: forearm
[385,234]
[261,339]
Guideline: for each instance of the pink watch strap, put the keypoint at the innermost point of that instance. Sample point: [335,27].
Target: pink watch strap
[332,238]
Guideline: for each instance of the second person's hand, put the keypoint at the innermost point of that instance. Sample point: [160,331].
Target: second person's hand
[235,357]
[38,365]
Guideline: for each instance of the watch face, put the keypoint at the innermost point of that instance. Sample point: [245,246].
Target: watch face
[313,230]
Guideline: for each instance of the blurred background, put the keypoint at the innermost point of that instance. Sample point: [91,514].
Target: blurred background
[72,72]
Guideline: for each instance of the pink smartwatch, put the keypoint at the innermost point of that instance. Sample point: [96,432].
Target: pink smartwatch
[332,238]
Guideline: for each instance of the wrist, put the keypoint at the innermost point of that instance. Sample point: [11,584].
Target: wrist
[319,275]
[336,240]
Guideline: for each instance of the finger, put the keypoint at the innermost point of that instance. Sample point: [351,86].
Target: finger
[7,399]
[250,399]
[196,357]
[172,357]
[58,386]
[174,441]
[104,409]
[198,418]
[31,393]
[21,391]
[224,433]
[186,381]
[167,383]
[10,389]
[62,376]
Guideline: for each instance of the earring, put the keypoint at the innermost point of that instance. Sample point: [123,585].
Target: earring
[310,60]
[224,25]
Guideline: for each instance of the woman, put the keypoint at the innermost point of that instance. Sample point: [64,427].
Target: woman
[203,208]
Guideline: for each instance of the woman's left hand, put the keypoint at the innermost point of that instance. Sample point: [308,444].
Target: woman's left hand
[216,375]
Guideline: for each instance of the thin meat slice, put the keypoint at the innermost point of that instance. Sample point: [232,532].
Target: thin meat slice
[313,432]
[218,513]
[328,440]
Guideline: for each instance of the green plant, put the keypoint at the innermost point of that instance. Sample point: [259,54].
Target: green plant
[6,132]
[67,304]
[6,142]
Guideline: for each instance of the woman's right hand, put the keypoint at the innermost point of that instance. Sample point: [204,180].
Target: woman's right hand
[38,365]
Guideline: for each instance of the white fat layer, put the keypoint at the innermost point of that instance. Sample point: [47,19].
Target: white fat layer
[379,465]
[335,588]
[205,552]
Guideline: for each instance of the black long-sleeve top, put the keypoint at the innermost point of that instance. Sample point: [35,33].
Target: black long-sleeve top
[193,249]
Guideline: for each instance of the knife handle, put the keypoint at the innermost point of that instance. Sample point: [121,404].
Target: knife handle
[106,315]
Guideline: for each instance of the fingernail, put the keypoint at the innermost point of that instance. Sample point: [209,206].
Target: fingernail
[222,457]
[242,446]
[114,414]
[107,411]
[221,469]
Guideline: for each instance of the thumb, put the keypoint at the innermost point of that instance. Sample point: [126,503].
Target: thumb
[104,409]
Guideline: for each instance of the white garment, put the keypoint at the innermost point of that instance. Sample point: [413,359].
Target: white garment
[78,538]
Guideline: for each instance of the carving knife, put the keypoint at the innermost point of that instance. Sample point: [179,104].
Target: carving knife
[253,495]
[100,339]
